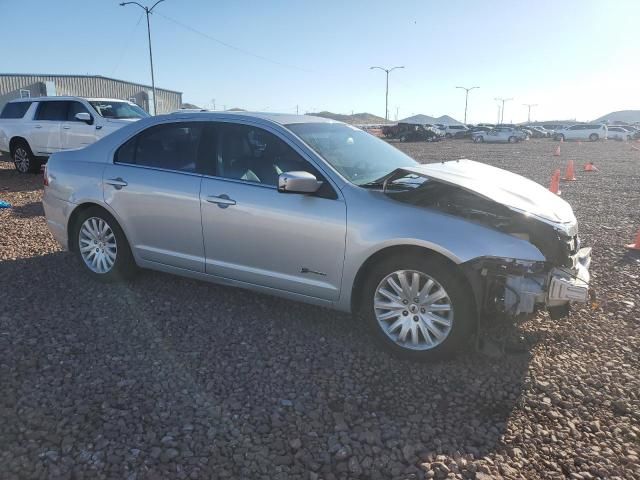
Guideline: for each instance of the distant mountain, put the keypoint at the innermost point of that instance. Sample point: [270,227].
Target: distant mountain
[236,109]
[626,116]
[190,106]
[422,119]
[356,119]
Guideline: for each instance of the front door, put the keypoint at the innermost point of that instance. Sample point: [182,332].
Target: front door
[76,133]
[154,189]
[254,234]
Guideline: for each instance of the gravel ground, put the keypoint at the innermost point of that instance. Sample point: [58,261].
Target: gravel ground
[166,377]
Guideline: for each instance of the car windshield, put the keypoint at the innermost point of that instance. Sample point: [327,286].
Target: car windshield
[118,110]
[357,155]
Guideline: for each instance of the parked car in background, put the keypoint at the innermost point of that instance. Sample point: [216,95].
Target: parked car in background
[451,130]
[538,131]
[617,132]
[321,212]
[582,131]
[498,135]
[552,127]
[31,129]
[411,132]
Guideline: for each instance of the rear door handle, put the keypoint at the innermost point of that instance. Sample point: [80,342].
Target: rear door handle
[223,201]
[118,183]
[37,126]
[66,127]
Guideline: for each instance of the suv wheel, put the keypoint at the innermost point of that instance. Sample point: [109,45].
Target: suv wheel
[418,307]
[102,247]
[23,158]
[593,137]
[447,135]
[403,138]
[478,139]
[559,138]
[512,139]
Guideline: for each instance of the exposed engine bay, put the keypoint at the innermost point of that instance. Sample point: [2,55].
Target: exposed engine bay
[503,285]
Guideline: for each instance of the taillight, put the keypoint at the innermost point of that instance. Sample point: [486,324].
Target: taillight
[46,177]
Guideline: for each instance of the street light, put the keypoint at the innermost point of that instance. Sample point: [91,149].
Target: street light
[498,99]
[386,101]
[466,98]
[529,105]
[148,10]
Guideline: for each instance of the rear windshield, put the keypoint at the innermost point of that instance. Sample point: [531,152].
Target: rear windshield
[15,109]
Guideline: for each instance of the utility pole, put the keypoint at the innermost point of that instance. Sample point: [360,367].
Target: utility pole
[386,97]
[499,99]
[213,102]
[529,105]
[297,110]
[397,113]
[466,100]
[148,10]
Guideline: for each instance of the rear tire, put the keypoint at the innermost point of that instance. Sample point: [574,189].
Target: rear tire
[431,331]
[513,139]
[478,139]
[559,138]
[593,137]
[23,158]
[101,246]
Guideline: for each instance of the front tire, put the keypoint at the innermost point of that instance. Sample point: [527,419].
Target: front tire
[513,139]
[418,307]
[23,158]
[102,247]
[478,139]
[593,137]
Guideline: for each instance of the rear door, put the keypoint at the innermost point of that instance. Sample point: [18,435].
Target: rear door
[47,124]
[76,133]
[154,189]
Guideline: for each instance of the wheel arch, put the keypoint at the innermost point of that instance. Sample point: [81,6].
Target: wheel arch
[73,219]
[15,140]
[397,250]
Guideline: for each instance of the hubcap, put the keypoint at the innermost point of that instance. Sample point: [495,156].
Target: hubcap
[97,245]
[413,310]
[21,159]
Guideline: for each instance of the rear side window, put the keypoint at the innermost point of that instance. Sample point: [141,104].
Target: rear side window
[173,146]
[53,110]
[15,109]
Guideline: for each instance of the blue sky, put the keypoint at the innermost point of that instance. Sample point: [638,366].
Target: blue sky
[576,59]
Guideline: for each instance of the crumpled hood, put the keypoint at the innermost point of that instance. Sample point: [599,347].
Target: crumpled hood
[512,190]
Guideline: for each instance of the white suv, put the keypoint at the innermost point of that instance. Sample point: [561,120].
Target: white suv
[31,129]
[451,130]
[582,131]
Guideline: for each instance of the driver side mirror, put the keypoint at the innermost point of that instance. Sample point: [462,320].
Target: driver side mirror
[298,182]
[84,117]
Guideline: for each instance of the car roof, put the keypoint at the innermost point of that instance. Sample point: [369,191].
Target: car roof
[281,118]
[55,98]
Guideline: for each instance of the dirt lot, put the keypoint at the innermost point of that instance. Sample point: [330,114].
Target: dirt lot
[172,378]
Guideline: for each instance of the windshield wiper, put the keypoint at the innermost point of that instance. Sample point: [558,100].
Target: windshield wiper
[390,178]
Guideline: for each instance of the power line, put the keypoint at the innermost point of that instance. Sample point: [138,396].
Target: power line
[232,47]
[126,44]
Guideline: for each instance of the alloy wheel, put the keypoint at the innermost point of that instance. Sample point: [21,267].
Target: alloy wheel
[97,245]
[21,160]
[413,310]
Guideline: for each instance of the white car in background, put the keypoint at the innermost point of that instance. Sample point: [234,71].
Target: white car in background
[31,129]
[583,131]
[498,135]
[451,130]
[615,132]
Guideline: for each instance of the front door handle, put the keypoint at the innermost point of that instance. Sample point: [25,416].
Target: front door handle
[37,126]
[223,201]
[118,183]
[66,127]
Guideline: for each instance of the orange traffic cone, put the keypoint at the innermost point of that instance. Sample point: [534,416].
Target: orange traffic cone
[570,174]
[635,246]
[555,183]
[557,152]
[561,139]
[590,167]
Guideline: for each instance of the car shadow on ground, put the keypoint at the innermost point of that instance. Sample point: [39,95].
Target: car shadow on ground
[29,210]
[129,362]
[12,181]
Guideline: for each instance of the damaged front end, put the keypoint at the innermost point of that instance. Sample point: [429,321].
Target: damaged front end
[506,285]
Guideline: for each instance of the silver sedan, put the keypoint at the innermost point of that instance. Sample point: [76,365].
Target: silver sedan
[321,212]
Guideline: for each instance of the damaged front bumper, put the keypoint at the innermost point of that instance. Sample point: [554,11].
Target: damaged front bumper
[516,287]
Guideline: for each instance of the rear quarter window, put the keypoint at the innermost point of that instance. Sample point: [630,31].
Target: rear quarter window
[15,109]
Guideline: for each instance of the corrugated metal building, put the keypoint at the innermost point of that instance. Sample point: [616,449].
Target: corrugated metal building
[16,85]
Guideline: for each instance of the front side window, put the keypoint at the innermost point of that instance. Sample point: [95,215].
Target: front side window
[358,156]
[172,146]
[52,111]
[118,110]
[75,107]
[15,109]
[255,155]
